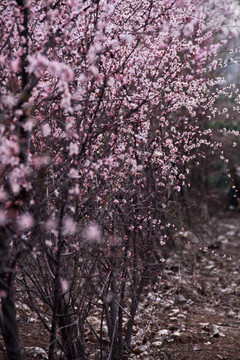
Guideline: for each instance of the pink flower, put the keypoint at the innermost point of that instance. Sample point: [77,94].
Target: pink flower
[9,148]
[28,126]
[64,285]
[3,294]
[14,65]
[46,130]
[73,173]
[73,149]
[3,195]
[3,217]
[92,232]
[69,226]
[25,221]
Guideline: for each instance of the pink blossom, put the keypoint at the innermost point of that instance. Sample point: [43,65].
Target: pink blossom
[3,195]
[49,243]
[39,161]
[128,84]
[73,149]
[14,65]
[51,224]
[9,149]
[3,294]
[25,221]
[69,226]
[9,100]
[28,126]
[46,130]
[92,232]
[73,173]
[64,285]
[3,217]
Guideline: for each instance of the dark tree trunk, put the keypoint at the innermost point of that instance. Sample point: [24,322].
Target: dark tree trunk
[134,306]
[73,346]
[8,318]
[10,329]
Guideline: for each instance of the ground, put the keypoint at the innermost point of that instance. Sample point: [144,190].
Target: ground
[193,314]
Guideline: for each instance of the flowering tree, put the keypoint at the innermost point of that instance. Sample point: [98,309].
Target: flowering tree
[104,106]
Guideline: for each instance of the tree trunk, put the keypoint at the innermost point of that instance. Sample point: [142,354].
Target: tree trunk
[9,327]
[8,319]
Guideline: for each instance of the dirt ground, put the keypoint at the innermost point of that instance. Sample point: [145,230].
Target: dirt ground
[195,313]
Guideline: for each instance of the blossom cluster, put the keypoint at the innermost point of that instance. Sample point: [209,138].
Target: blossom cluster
[104,109]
